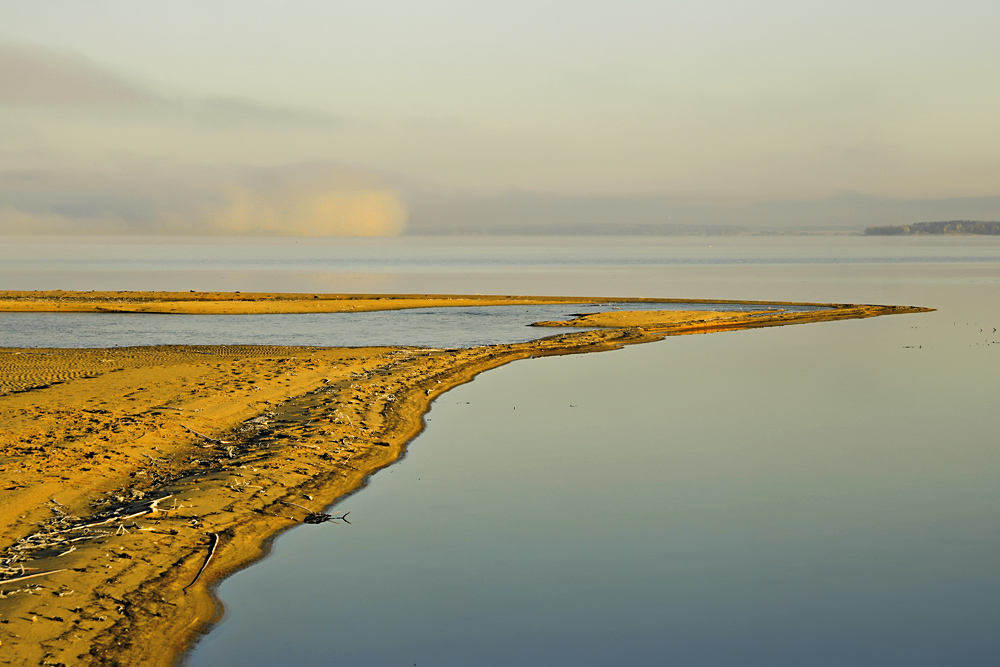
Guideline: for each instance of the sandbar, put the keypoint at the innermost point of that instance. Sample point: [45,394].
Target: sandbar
[135,479]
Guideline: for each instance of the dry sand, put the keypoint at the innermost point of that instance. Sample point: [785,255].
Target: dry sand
[231,303]
[673,322]
[135,479]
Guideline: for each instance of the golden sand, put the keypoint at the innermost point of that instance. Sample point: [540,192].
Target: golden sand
[135,479]
[240,303]
[674,322]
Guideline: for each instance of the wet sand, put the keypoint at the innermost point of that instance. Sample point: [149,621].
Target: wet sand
[135,479]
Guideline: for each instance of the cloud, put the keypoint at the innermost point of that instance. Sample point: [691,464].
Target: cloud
[35,76]
[316,199]
[310,200]
[229,109]
[520,212]
[32,75]
[326,199]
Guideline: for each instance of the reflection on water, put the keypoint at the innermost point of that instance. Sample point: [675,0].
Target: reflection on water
[824,494]
[678,267]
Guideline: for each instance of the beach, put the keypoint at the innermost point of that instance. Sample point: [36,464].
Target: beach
[138,478]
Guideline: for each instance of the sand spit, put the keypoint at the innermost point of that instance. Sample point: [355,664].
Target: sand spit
[135,479]
[245,303]
[240,303]
[673,322]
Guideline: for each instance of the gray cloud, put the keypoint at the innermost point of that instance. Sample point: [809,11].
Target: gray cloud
[32,75]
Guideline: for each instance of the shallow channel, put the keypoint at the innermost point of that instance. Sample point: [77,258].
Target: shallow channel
[423,327]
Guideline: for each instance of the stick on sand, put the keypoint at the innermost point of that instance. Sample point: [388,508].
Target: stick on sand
[211,552]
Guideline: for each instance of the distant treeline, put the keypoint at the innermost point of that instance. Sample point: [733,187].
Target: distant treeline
[946,227]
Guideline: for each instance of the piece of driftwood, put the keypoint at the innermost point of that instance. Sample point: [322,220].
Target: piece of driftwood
[211,552]
[318,517]
[30,576]
[214,441]
[322,517]
[152,507]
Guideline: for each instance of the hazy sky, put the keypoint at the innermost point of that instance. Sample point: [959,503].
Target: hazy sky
[722,100]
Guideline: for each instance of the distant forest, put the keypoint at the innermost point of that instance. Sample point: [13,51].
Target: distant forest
[947,227]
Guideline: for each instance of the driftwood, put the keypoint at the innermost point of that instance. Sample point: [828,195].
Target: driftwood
[322,517]
[211,552]
[30,576]
[202,435]
[318,517]
[52,539]
[152,507]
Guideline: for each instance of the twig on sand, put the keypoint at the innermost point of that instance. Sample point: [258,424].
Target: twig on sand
[211,552]
[30,576]
[152,507]
[296,505]
[202,435]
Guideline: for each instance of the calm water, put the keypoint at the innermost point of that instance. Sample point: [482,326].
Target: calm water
[424,327]
[825,494]
[680,267]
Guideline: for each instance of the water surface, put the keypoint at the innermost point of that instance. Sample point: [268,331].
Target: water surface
[607,266]
[824,494]
[425,327]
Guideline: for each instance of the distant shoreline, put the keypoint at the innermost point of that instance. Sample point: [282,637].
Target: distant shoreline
[949,227]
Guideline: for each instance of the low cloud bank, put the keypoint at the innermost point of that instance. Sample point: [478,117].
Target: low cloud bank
[309,201]
[298,200]
[324,199]
[520,212]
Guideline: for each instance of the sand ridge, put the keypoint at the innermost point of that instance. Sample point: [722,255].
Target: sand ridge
[673,322]
[232,303]
[125,468]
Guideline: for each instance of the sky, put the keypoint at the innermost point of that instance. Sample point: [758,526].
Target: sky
[328,117]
